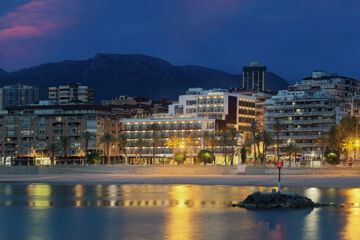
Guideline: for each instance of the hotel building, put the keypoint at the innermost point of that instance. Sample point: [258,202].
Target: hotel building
[237,110]
[195,113]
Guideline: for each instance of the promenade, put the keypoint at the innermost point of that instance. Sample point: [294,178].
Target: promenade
[199,175]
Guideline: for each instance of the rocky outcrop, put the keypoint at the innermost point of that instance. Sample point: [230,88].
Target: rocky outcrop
[277,200]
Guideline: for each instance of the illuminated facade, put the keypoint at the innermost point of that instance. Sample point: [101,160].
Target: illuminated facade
[183,128]
[237,110]
[26,131]
[309,109]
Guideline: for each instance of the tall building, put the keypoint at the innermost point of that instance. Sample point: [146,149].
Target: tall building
[309,109]
[18,95]
[254,77]
[235,109]
[72,92]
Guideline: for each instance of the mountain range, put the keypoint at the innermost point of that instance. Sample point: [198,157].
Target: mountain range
[113,75]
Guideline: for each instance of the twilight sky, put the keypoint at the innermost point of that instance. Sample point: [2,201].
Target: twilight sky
[291,37]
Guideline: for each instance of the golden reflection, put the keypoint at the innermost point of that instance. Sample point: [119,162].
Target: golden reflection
[351,229]
[79,190]
[39,195]
[314,194]
[179,225]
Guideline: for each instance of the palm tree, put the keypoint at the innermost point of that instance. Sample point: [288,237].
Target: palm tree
[51,149]
[254,130]
[233,134]
[278,127]
[210,140]
[322,141]
[290,150]
[267,141]
[123,144]
[87,137]
[225,142]
[140,144]
[173,142]
[155,138]
[107,139]
[65,145]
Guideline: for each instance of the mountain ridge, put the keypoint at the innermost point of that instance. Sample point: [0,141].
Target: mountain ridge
[112,75]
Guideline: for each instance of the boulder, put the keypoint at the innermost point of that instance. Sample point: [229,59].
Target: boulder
[277,200]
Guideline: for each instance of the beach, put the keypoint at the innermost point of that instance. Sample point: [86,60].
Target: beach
[228,180]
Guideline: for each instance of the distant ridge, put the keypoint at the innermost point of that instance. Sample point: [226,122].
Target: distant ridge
[136,75]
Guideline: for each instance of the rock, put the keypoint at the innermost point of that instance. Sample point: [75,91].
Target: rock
[278,200]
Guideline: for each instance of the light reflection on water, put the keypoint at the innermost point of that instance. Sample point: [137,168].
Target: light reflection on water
[173,212]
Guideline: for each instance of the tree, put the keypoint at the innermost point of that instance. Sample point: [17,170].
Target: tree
[155,139]
[122,140]
[180,158]
[243,154]
[224,142]
[87,137]
[210,141]
[267,141]
[233,134]
[107,139]
[65,145]
[173,142]
[349,145]
[51,149]
[94,158]
[322,140]
[205,156]
[332,157]
[254,130]
[290,150]
[278,127]
[140,144]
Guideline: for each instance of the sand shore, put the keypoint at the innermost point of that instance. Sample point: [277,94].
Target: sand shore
[237,180]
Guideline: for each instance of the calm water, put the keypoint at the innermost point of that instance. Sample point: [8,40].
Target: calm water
[174,212]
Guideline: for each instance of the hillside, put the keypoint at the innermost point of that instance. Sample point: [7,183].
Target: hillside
[135,75]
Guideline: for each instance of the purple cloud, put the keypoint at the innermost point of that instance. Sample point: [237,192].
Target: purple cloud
[23,29]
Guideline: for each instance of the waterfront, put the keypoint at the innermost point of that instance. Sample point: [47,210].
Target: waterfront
[45,211]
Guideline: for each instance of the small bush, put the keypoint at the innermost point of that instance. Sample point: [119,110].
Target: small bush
[205,156]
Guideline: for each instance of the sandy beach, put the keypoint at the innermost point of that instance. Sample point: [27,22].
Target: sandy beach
[237,180]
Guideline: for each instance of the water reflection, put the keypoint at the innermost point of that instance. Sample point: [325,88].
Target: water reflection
[179,223]
[172,212]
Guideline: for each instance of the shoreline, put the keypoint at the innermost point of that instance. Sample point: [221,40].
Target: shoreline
[350,181]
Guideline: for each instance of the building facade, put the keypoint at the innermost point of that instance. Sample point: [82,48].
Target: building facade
[308,109]
[188,131]
[254,77]
[26,131]
[72,92]
[237,110]
[18,95]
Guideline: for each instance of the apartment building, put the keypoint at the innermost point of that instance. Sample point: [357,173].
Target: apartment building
[237,110]
[26,131]
[18,95]
[309,109]
[72,92]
